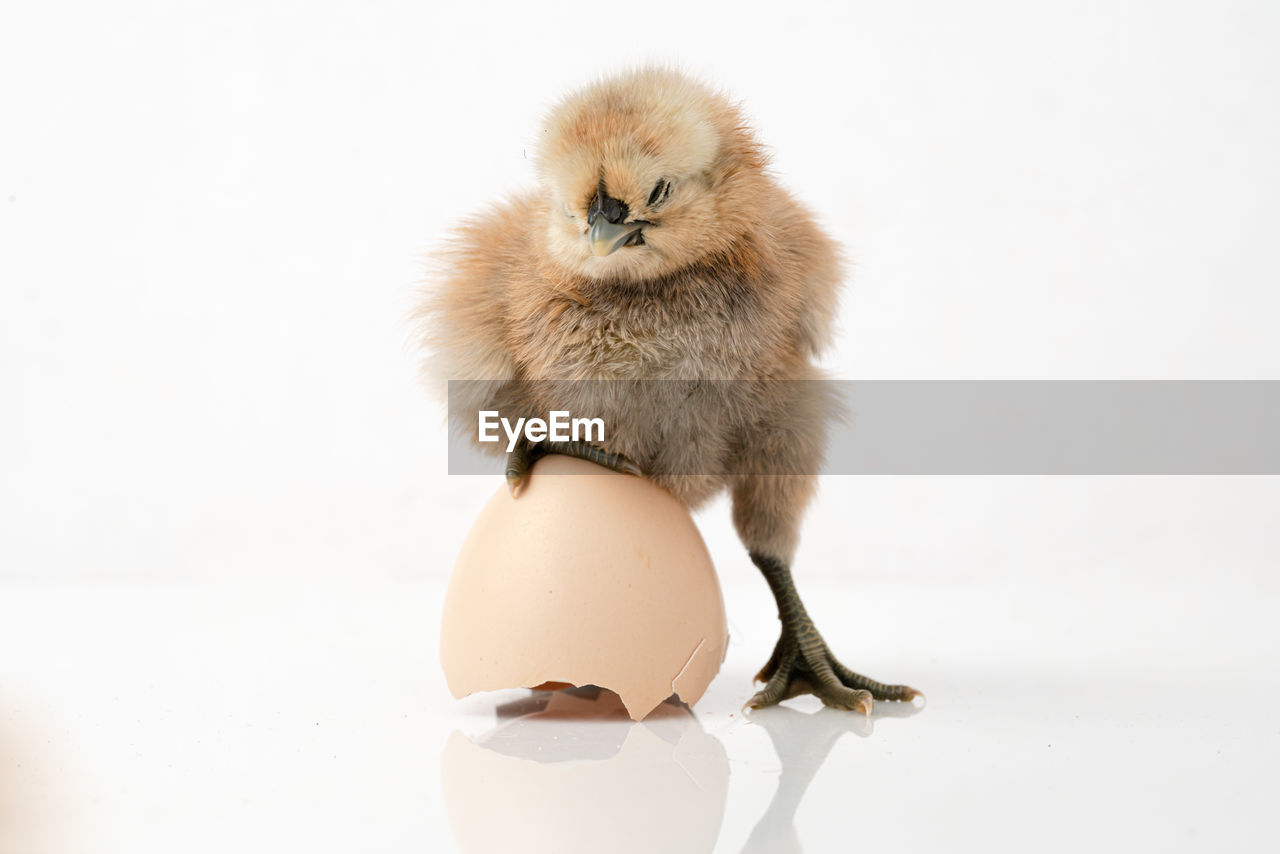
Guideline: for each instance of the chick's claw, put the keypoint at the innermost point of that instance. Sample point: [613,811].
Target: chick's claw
[519,461]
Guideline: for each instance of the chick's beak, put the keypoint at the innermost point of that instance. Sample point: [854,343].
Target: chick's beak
[609,229]
[607,237]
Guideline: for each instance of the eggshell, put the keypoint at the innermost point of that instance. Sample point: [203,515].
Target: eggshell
[589,577]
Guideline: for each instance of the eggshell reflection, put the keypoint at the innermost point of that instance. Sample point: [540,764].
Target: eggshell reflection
[589,577]
[575,775]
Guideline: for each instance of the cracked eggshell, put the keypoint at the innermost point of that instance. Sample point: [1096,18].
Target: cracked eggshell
[589,577]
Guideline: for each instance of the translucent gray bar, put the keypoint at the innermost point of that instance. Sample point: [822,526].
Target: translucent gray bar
[1078,427]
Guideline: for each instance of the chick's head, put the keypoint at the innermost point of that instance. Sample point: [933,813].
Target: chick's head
[644,173]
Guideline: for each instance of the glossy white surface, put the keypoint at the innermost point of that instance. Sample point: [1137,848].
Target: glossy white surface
[1064,710]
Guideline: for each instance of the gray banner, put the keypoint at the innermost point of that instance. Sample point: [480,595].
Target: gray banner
[917,427]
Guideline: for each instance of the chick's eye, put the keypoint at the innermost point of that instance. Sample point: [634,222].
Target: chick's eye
[661,191]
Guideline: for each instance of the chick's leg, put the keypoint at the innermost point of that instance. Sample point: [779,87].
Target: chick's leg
[522,457]
[767,511]
[803,664]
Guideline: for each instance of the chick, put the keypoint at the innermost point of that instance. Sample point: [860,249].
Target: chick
[658,277]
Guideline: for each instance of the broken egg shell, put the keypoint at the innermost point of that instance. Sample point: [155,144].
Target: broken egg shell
[590,577]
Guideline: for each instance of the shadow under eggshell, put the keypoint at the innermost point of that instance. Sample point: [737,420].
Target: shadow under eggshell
[589,578]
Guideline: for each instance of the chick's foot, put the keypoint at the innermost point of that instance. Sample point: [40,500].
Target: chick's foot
[802,664]
[521,459]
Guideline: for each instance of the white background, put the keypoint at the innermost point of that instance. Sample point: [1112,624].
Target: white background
[225,524]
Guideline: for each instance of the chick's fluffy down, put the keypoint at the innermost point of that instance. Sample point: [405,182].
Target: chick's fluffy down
[730,280]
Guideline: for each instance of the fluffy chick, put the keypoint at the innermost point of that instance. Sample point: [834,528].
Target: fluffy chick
[659,259]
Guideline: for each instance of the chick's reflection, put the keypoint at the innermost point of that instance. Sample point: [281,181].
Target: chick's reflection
[803,740]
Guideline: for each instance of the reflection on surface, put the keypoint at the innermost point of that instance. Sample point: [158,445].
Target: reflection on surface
[803,741]
[570,771]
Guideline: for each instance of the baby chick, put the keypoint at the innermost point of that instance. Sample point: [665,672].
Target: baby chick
[660,278]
